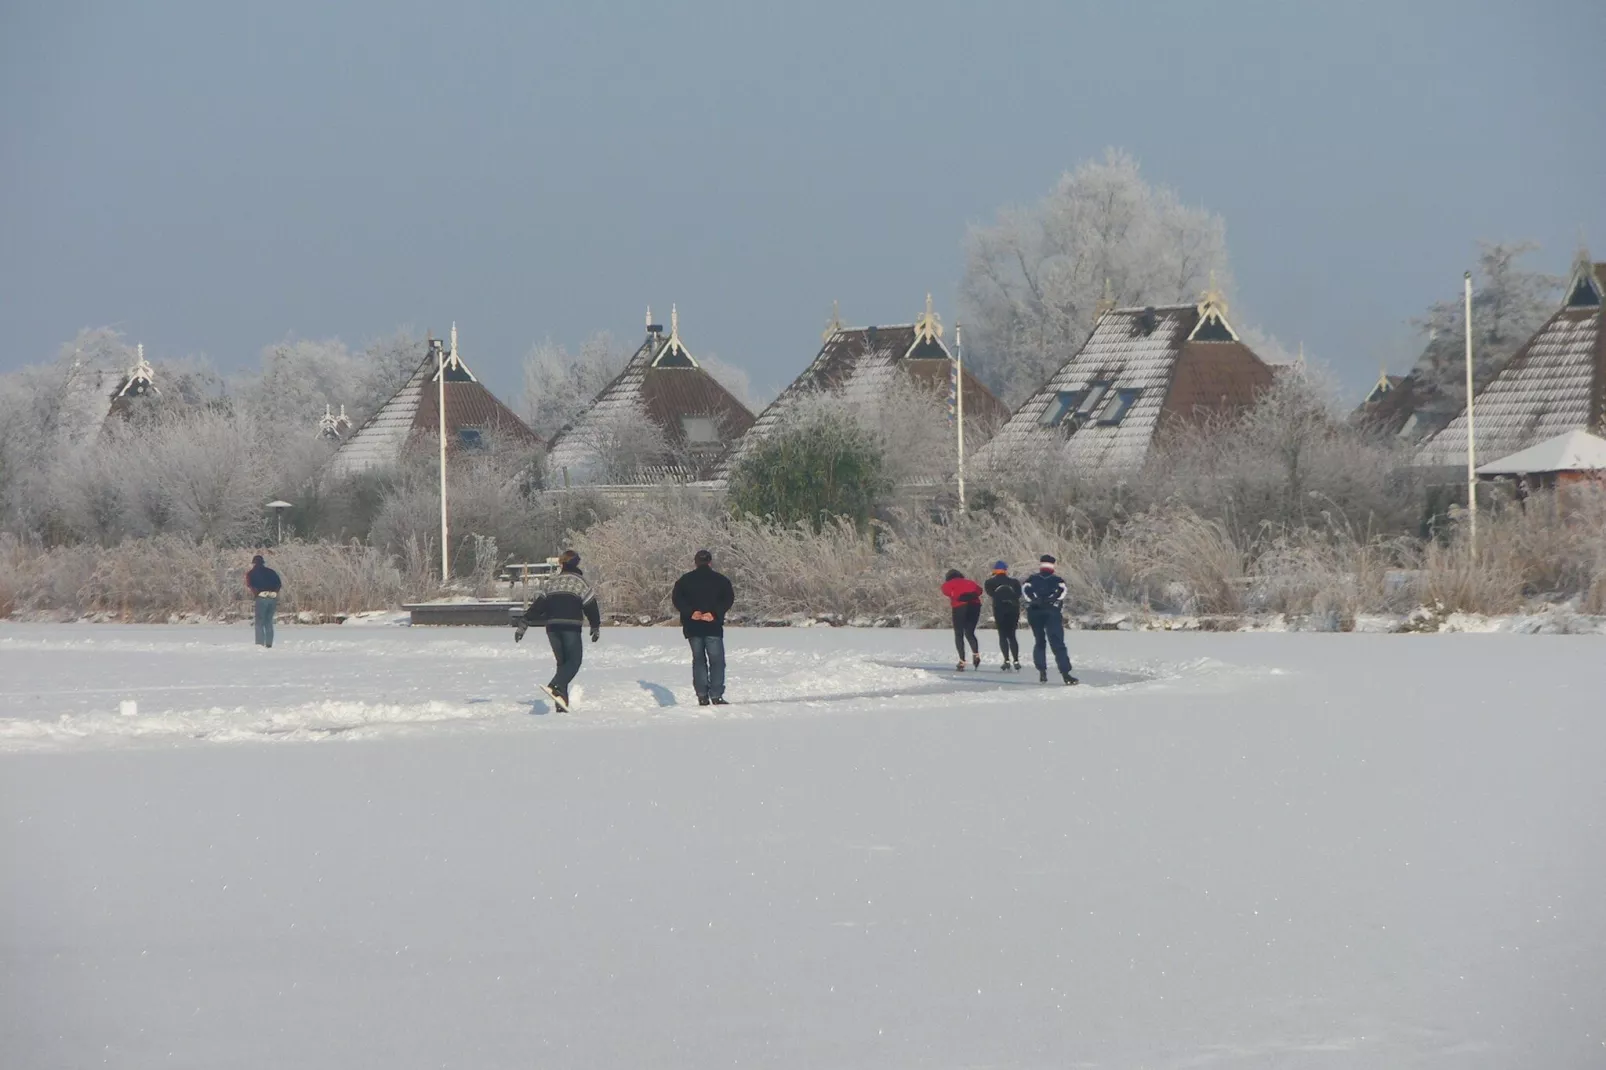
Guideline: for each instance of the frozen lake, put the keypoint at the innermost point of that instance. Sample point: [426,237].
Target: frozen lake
[371,846]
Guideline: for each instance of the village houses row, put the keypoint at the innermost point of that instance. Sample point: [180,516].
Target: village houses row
[1141,372]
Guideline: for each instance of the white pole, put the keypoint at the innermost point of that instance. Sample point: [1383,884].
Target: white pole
[959,407]
[1472,455]
[446,567]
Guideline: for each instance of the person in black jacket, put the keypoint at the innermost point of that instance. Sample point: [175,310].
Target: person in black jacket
[1004,590]
[703,597]
[563,603]
[1045,594]
[264,585]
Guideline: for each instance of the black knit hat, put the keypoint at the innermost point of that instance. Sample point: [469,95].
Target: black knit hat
[257,560]
[1047,559]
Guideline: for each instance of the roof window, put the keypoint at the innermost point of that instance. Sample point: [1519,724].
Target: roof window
[1118,406]
[700,430]
[1060,406]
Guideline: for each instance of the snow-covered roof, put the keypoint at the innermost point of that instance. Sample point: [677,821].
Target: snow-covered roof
[415,409]
[662,384]
[1139,369]
[1552,385]
[860,364]
[1575,451]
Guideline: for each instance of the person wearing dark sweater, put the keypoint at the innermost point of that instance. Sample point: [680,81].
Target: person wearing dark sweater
[264,585]
[564,603]
[964,598]
[1045,594]
[703,597]
[1004,590]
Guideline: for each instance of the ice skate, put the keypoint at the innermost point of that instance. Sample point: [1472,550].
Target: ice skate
[960,667]
[1042,676]
[1069,679]
[975,659]
[720,702]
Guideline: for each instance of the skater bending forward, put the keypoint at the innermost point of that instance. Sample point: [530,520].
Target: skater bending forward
[964,597]
[703,597]
[1004,590]
[563,603]
[1044,594]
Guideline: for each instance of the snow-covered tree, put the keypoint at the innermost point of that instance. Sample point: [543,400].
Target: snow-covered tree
[1509,304]
[559,384]
[1034,279]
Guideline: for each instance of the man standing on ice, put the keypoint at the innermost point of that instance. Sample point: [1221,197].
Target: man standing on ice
[264,585]
[1004,590]
[1045,593]
[964,597]
[563,603]
[703,597]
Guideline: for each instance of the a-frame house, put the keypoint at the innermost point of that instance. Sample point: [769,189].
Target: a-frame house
[1554,384]
[475,419]
[859,364]
[1140,373]
[663,419]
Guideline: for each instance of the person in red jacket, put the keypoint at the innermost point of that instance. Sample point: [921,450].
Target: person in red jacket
[964,596]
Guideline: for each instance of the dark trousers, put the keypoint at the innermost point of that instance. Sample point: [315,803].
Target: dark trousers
[708,665]
[265,609]
[568,649]
[1048,627]
[1007,623]
[965,619]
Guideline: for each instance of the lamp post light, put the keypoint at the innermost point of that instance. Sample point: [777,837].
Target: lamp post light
[278,508]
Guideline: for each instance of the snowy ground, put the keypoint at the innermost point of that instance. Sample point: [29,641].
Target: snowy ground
[370,847]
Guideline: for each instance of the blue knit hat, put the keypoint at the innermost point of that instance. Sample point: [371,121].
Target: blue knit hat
[999,566]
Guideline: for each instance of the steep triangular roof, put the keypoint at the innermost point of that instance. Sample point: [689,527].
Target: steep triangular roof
[472,412]
[860,363]
[1552,385]
[1141,370]
[661,384]
[137,383]
[1575,451]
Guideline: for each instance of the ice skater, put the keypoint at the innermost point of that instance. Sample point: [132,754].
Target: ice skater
[563,603]
[1045,594]
[264,585]
[703,597]
[1004,590]
[964,597]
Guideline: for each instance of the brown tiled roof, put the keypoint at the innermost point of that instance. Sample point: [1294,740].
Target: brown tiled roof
[858,364]
[1175,382]
[1554,384]
[1387,411]
[662,383]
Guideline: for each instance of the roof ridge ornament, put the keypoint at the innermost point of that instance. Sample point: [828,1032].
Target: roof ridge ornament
[141,372]
[928,328]
[1212,325]
[834,324]
[1106,303]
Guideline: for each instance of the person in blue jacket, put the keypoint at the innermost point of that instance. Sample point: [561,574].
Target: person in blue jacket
[1045,594]
[264,585]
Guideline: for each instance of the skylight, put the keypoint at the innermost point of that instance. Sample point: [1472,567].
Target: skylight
[471,438]
[1118,406]
[1061,405]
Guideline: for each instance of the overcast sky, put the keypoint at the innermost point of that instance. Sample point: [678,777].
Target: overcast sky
[210,178]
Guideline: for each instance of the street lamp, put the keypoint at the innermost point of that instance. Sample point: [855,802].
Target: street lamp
[278,508]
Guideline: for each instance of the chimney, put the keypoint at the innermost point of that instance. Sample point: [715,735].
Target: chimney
[1149,320]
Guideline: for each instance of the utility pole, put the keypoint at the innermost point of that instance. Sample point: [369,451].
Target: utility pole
[959,407]
[440,381]
[1472,453]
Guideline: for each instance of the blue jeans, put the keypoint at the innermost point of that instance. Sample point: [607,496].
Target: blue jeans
[1048,625]
[568,648]
[266,608]
[708,665]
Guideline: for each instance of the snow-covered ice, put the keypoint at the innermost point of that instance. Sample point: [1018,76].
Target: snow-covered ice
[373,846]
